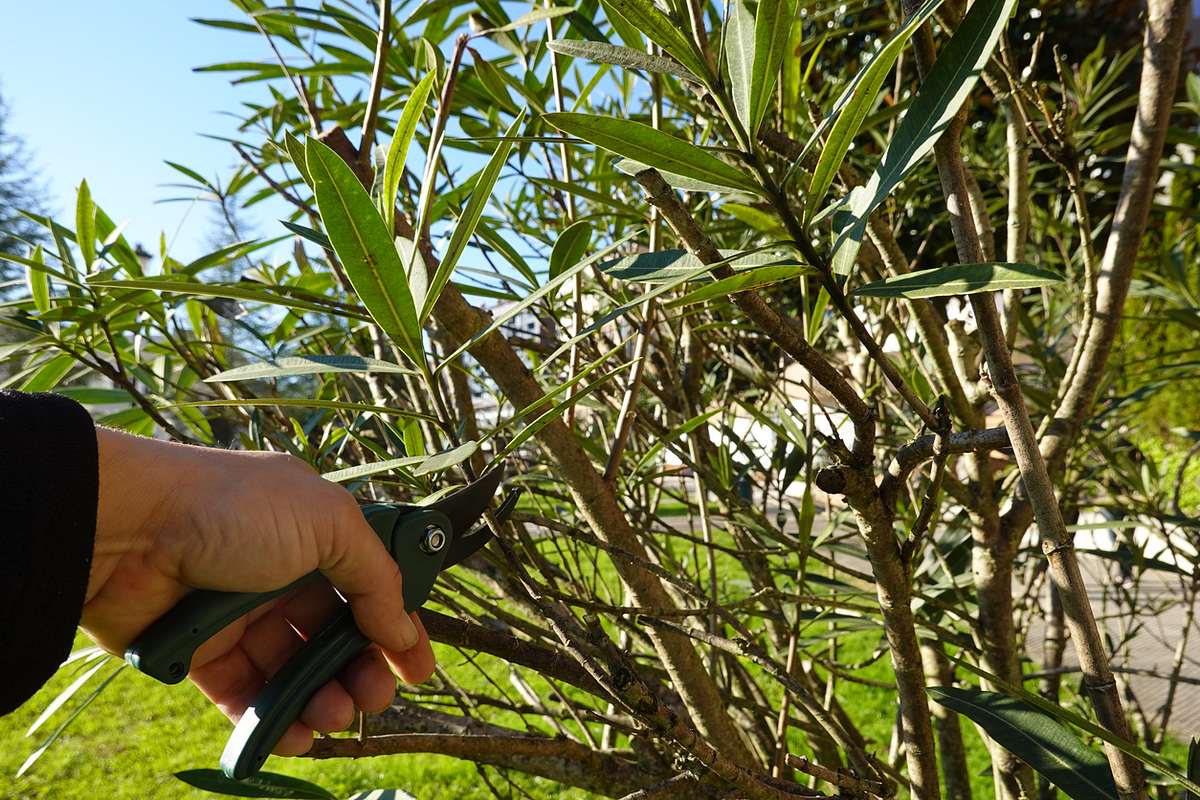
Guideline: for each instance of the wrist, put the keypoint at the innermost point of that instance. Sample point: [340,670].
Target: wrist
[128,497]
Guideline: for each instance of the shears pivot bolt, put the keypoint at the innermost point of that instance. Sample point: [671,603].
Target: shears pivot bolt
[434,539]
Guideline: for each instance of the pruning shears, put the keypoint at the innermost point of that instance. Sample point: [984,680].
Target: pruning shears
[423,540]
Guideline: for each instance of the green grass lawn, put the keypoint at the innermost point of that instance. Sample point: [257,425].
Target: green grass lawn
[137,733]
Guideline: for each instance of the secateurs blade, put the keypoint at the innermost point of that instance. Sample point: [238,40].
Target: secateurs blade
[423,540]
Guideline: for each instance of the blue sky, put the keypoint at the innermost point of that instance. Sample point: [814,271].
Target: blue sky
[108,95]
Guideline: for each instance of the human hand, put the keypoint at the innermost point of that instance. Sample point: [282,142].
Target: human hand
[172,518]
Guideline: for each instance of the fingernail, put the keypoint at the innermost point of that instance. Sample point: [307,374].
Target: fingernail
[408,632]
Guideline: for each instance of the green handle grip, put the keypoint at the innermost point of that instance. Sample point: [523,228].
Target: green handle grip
[324,656]
[164,650]
[289,690]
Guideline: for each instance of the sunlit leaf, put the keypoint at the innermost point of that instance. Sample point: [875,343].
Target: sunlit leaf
[406,126]
[290,366]
[569,247]
[85,225]
[446,459]
[852,108]
[945,88]
[464,229]
[627,57]
[653,147]
[38,281]
[365,248]
[991,276]
[741,282]
[658,28]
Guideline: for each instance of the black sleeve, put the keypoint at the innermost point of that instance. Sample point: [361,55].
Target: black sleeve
[48,492]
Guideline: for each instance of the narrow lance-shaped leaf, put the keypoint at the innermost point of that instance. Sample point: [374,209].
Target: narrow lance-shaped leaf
[741,282]
[85,225]
[627,57]
[947,85]
[291,366]
[465,229]
[406,126]
[1040,741]
[533,17]
[264,784]
[38,281]
[772,29]
[570,247]
[295,150]
[658,28]
[852,108]
[989,276]
[364,247]
[739,56]
[652,147]
[446,459]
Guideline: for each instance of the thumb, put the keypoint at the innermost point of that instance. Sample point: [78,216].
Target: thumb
[361,568]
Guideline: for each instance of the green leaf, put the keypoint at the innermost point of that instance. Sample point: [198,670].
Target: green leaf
[65,695]
[406,127]
[1040,741]
[94,395]
[946,87]
[49,374]
[85,225]
[363,470]
[305,365]
[631,167]
[465,228]
[666,265]
[1062,713]
[989,276]
[300,402]
[739,55]
[38,281]
[533,17]
[569,247]
[741,282]
[295,150]
[852,108]
[658,28]
[660,150]
[627,57]
[494,83]
[365,248]
[772,29]
[238,291]
[264,784]
[446,459]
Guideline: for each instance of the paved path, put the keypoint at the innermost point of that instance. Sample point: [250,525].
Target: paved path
[1152,648]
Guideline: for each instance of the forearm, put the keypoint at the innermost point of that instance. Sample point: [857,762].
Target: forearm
[48,490]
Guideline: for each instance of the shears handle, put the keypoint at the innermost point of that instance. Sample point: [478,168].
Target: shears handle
[164,650]
[288,692]
[326,654]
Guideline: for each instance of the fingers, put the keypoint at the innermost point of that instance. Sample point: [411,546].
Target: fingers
[358,564]
[231,682]
[415,664]
[369,681]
